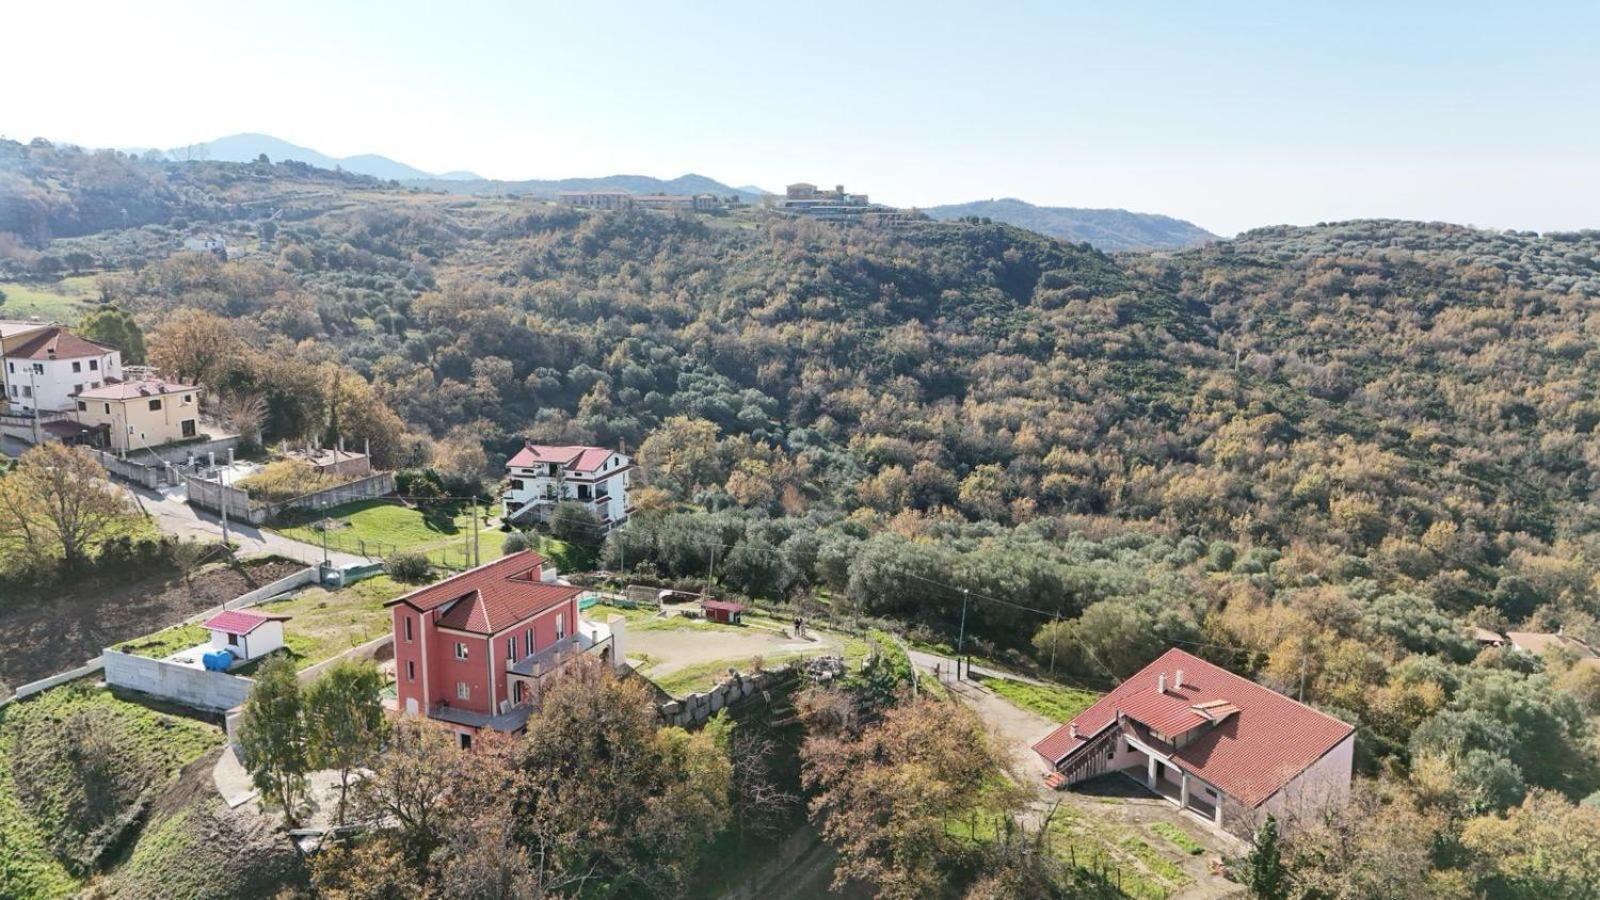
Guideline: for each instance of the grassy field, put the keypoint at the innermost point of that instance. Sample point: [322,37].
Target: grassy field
[323,623]
[383,527]
[165,642]
[1049,700]
[1122,858]
[65,301]
[326,623]
[147,740]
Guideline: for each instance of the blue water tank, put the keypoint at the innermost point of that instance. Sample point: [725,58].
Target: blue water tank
[217,660]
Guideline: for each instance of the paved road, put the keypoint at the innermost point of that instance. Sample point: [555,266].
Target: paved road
[172,513]
[947,664]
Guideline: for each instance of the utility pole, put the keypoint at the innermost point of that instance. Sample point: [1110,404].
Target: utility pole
[961,640]
[709,566]
[1055,638]
[222,504]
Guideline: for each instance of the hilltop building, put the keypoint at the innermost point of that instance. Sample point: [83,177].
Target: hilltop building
[614,200]
[541,476]
[1214,744]
[469,650]
[806,199]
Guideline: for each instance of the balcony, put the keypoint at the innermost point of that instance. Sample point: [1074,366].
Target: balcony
[590,638]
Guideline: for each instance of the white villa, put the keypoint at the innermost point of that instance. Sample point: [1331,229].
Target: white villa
[44,367]
[540,476]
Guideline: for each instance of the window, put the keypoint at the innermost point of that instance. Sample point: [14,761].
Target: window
[463,691]
[38,368]
[1111,751]
[77,389]
[27,391]
[516,484]
[77,366]
[527,642]
[511,647]
[94,365]
[461,650]
[233,640]
[561,625]
[411,670]
[155,404]
[82,406]
[407,620]
[188,428]
[108,409]
[188,399]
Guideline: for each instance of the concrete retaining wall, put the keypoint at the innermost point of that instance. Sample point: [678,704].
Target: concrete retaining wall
[370,650]
[213,691]
[45,684]
[213,496]
[151,477]
[281,586]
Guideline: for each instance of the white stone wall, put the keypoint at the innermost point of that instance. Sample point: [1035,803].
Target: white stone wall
[215,691]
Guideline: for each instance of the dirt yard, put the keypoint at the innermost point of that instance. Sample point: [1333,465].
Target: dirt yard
[55,629]
[682,655]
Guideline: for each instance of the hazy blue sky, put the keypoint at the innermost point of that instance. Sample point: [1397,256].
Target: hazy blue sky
[1229,114]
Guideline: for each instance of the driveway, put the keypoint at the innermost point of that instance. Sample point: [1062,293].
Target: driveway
[169,509]
[1110,810]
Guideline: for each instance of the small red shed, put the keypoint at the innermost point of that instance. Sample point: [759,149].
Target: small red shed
[724,611]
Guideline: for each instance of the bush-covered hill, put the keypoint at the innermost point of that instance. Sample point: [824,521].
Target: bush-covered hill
[1107,229]
[1313,454]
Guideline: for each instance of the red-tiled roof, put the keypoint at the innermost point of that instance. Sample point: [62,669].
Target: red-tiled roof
[576,458]
[1250,754]
[722,605]
[239,621]
[55,343]
[492,597]
[132,390]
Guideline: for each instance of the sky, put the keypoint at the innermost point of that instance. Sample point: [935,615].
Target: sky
[1229,114]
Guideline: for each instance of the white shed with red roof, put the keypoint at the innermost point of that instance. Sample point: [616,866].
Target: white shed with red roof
[245,633]
[1214,743]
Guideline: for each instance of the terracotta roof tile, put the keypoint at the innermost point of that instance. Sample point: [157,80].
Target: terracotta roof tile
[55,343]
[492,597]
[239,621]
[1251,754]
[132,390]
[576,458]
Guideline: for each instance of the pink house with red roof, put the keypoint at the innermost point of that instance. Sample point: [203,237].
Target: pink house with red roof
[469,650]
[540,475]
[1214,743]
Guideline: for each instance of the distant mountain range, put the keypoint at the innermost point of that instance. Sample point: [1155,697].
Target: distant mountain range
[247,147]
[1105,229]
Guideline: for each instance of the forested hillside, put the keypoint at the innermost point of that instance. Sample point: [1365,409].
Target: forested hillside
[1313,454]
[1108,229]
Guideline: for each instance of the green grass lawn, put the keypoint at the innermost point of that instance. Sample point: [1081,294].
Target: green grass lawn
[1178,837]
[1123,858]
[382,527]
[326,623]
[166,642]
[65,301]
[151,740]
[1052,701]
[323,624]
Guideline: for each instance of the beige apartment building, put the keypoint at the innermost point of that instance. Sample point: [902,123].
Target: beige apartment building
[141,414]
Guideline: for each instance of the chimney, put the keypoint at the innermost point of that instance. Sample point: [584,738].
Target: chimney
[1074,729]
[1161,684]
[1177,681]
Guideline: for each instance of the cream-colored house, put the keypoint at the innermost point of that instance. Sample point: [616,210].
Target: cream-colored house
[141,414]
